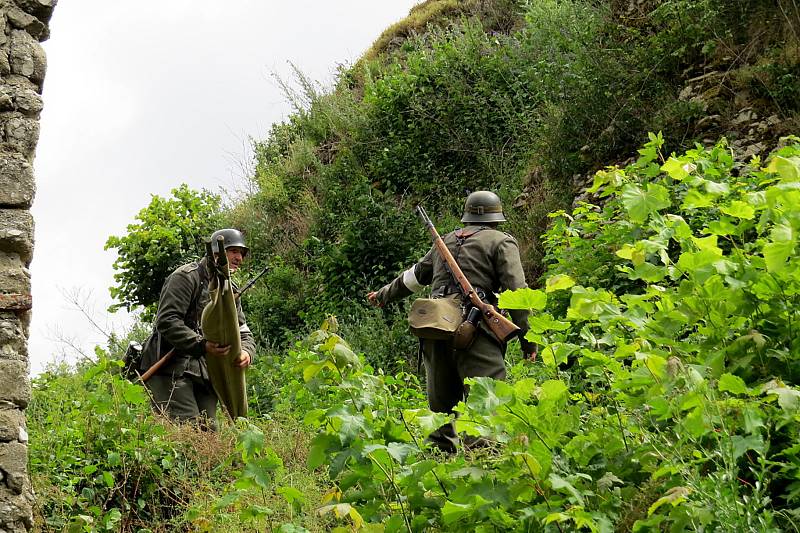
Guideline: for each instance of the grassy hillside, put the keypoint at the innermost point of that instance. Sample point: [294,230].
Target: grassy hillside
[642,150]
[525,99]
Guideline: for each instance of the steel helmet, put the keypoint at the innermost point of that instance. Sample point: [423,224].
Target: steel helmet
[233,237]
[483,206]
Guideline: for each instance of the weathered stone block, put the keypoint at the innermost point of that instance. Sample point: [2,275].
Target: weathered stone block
[14,280]
[15,385]
[21,134]
[5,64]
[17,185]
[3,36]
[13,338]
[41,9]
[11,329]
[26,100]
[27,57]
[16,511]
[16,233]
[24,21]
[12,426]
[6,102]
[14,462]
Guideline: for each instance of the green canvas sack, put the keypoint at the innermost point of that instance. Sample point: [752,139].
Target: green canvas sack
[435,318]
[220,323]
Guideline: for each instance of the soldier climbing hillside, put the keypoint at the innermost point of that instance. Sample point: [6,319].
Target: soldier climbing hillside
[181,388]
[490,260]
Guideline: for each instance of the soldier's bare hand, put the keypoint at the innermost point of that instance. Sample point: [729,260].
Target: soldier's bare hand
[372,297]
[244,360]
[214,348]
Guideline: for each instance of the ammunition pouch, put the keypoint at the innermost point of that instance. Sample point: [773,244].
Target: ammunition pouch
[435,318]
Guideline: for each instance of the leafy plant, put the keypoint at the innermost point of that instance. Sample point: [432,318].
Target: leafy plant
[168,232]
[661,401]
[100,461]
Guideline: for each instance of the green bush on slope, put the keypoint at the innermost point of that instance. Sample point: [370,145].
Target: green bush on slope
[565,88]
[678,410]
[168,232]
[101,462]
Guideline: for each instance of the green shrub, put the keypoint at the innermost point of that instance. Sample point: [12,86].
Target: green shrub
[101,462]
[679,411]
[169,232]
[382,336]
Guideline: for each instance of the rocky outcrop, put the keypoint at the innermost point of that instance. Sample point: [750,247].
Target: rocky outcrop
[23,25]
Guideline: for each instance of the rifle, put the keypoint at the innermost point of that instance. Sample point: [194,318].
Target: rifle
[167,356]
[250,283]
[503,328]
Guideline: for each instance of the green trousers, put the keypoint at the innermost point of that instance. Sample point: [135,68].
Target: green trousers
[186,398]
[446,369]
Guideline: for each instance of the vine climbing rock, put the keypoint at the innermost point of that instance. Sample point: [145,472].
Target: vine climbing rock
[23,26]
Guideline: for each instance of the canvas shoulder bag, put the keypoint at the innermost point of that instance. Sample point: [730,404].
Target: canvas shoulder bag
[435,318]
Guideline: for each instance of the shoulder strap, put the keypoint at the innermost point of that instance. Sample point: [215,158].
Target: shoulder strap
[194,315]
[463,234]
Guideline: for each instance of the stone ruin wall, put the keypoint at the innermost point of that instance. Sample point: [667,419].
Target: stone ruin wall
[23,25]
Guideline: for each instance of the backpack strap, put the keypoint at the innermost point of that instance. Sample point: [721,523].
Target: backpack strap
[193,317]
[463,234]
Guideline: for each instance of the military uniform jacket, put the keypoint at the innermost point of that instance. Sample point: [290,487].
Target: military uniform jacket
[489,259]
[177,324]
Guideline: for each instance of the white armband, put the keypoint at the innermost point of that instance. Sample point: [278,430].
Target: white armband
[410,280]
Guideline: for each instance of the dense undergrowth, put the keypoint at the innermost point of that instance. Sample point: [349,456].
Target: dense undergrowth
[522,98]
[665,398]
[666,393]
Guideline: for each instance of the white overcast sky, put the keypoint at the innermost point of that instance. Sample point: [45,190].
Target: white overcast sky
[141,96]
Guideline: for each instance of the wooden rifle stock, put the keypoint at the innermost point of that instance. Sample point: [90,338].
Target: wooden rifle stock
[158,364]
[503,328]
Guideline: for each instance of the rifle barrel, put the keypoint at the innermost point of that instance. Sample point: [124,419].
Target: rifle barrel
[252,282]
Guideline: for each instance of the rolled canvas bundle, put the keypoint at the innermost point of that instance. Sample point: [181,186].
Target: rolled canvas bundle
[220,323]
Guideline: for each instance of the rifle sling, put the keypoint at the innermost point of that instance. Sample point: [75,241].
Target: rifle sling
[453,287]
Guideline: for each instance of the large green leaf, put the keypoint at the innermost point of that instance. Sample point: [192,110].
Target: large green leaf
[732,384]
[552,390]
[317,453]
[781,248]
[251,441]
[587,303]
[556,354]
[678,170]
[560,484]
[641,203]
[558,282]
[453,512]
[541,322]
[788,168]
[695,199]
[425,419]
[739,209]
[751,442]
[523,299]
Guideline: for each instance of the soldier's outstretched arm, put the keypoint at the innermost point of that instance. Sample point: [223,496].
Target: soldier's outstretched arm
[408,282]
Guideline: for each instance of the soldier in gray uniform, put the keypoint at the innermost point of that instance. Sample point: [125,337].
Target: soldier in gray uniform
[182,388]
[490,261]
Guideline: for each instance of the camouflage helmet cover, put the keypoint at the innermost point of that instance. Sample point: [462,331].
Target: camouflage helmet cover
[233,237]
[483,206]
